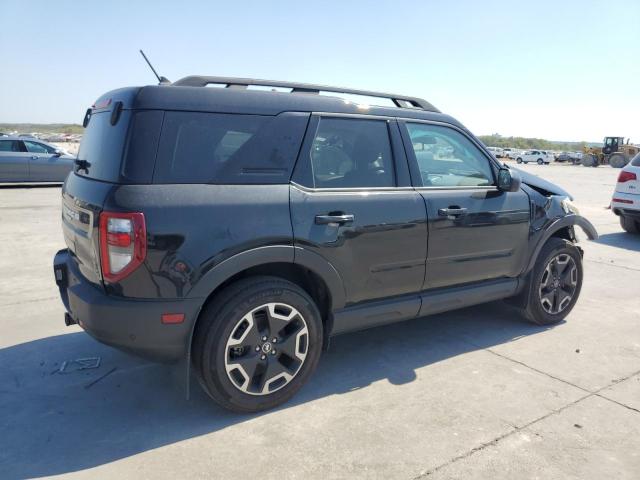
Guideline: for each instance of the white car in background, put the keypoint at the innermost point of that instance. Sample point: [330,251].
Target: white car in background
[626,197]
[537,156]
[509,153]
[496,151]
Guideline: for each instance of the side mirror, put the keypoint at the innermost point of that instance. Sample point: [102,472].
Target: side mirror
[57,153]
[508,180]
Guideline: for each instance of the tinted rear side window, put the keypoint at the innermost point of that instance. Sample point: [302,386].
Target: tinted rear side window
[102,146]
[11,146]
[228,148]
[352,153]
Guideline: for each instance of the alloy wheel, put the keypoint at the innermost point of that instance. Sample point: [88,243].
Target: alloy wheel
[558,284]
[266,348]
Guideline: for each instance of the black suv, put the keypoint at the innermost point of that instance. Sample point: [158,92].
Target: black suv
[240,227]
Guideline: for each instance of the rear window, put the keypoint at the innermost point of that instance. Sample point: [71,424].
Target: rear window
[102,146]
[228,148]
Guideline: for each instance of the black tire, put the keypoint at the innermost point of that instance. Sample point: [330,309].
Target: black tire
[518,160]
[618,160]
[630,225]
[538,312]
[222,318]
[540,161]
[589,160]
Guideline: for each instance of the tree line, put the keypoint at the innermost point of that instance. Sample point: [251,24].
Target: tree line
[524,143]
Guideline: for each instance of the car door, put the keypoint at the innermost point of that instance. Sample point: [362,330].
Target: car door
[352,204]
[45,165]
[14,162]
[476,232]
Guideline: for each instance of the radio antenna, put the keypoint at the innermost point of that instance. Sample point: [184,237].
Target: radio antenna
[161,80]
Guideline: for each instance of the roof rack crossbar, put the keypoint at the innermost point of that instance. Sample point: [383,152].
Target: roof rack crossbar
[401,101]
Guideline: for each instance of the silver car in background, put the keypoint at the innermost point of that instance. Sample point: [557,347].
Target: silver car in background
[24,159]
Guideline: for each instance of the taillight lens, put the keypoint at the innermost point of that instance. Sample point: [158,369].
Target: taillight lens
[123,244]
[626,176]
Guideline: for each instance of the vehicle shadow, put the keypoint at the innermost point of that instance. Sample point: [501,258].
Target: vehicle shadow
[624,240]
[55,423]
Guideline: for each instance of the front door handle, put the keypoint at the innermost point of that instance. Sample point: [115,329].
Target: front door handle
[452,212]
[340,219]
[34,157]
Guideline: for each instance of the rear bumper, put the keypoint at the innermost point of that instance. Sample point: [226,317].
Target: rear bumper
[625,208]
[134,326]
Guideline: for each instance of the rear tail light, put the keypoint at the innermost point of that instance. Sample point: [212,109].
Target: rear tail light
[622,200]
[626,176]
[123,244]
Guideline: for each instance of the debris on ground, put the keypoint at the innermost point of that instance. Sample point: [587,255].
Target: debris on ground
[70,366]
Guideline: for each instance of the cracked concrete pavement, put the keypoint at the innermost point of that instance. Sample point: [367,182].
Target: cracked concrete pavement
[474,393]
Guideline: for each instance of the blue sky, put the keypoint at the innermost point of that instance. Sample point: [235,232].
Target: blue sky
[563,70]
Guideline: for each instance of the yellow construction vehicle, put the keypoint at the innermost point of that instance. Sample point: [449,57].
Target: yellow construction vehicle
[613,152]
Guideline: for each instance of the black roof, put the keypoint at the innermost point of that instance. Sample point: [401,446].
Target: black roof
[259,102]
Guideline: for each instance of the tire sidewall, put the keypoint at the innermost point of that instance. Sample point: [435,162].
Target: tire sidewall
[553,248]
[629,225]
[213,367]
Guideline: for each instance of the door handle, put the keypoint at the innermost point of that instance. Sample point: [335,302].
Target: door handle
[452,212]
[340,219]
[34,157]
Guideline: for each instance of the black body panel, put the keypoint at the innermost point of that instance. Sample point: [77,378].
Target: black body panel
[488,241]
[380,253]
[193,228]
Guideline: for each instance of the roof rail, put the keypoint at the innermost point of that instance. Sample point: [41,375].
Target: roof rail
[401,101]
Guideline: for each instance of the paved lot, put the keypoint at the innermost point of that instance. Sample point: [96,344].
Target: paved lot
[475,393]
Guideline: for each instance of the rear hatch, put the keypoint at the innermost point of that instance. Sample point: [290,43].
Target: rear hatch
[98,171]
[82,201]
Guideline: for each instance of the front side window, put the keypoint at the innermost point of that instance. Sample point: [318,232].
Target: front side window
[35,147]
[446,158]
[352,153]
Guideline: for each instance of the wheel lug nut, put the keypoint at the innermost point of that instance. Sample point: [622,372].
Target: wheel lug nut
[263,357]
[264,339]
[257,349]
[273,352]
[274,340]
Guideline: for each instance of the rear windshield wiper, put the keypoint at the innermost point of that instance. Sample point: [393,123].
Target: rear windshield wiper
[82,165]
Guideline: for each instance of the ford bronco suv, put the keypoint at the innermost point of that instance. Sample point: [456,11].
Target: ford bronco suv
[240,227]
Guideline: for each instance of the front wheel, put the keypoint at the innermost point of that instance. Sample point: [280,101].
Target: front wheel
[556,282]
[540,161]
[257,343]
[518,160]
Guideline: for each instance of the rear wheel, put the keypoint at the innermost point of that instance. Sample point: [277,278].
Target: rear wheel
[518,160]
[618,160]
[540,161]
[630,225]
[257,344]
[556,282]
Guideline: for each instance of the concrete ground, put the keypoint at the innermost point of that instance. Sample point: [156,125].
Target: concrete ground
[475,393]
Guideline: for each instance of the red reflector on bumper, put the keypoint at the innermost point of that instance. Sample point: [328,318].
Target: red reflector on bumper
[622,200]
[169,318]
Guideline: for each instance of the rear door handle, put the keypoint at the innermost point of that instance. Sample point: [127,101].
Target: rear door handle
[339,219]
[34,157]
[452,212]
